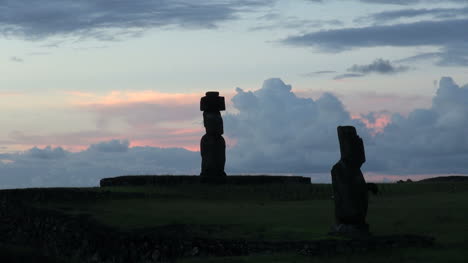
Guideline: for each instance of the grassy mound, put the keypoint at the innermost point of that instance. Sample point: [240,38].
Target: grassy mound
[445,179]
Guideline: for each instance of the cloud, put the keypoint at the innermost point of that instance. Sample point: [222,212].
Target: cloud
[146,118]
[427,33]
[116,97]
[408,2]
[375,121]
[109,20]
[55,167]
[440,13]
[429,140]
[142,135]
[379,66]
[347,76]
[111,146]
[383,102]
[450,56]
[71,140]
[16,59]
[397,2]
[146,114]
[449,35]
[46,153]
[276,131]
[316,73]
[391,2]
[375,101]
[276,21]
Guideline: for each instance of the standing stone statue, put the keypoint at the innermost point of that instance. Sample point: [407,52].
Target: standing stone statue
[349,187]
[212,145]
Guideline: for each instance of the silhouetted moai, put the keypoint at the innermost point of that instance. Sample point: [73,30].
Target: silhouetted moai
[212,145]
[349,187]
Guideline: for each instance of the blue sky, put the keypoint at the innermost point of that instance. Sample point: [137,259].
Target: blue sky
[77,74]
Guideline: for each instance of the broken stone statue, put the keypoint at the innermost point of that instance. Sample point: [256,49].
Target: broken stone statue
[212,145]
[349,187]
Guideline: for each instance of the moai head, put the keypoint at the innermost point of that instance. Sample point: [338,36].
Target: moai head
[351,146]
[211,105]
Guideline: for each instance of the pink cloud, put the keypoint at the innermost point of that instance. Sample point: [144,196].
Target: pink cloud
[73,141]
[153,118]
[188,138]
[186,131]
[80,94]
[129,97]
[376,122]
[10,94]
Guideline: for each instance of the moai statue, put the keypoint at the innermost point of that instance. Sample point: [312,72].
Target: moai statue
[212,145]
[349,187]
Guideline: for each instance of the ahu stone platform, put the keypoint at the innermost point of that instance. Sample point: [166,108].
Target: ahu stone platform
[141,180]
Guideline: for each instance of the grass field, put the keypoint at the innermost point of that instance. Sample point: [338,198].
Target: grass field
[290,212]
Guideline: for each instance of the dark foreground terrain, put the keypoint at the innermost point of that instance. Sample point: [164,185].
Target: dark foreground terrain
[228,223]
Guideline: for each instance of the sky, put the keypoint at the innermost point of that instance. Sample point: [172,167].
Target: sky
[100,88]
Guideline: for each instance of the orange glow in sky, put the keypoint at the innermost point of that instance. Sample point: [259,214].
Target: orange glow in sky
[378,126]
[125,97]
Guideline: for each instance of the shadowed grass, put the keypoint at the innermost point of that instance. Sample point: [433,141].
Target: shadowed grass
[290,212]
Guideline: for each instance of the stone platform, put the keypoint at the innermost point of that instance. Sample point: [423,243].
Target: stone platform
[141,180]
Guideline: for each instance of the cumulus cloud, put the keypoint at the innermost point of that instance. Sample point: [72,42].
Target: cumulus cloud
[53,167]
[111,146]
[46,153]
[380,66]
[428,140]
[108,20]
[276,131]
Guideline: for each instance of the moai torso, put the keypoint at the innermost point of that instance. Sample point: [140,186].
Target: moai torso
[212,144]
[349,186]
